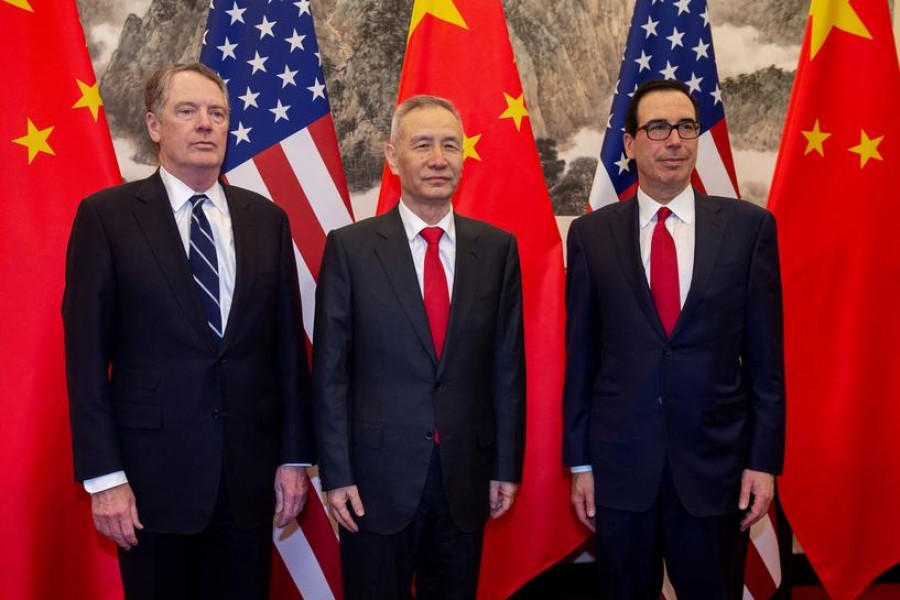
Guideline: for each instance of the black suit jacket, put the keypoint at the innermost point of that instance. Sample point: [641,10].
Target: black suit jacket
[149,391]
[710,399]
[379,391]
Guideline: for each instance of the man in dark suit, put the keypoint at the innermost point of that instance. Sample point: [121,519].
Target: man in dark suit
[419,374]
[188,385]
[674,394]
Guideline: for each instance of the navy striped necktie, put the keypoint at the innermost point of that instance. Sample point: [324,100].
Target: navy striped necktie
[205,265]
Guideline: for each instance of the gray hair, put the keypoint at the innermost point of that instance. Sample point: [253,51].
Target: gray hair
[156,86]
[415,102]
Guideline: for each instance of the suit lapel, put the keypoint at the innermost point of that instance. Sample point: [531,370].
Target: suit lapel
[393,251]
[465,281]
[708,236]
[244,233]
[628,246]
[153,212]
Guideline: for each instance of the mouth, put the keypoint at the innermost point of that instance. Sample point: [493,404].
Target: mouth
[202,145]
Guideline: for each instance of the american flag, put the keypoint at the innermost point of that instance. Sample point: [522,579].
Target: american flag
[282,144]
[668,39]
[672,39]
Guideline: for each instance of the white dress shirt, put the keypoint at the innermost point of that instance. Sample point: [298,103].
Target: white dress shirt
[216,211]
[417,244]
[682,225]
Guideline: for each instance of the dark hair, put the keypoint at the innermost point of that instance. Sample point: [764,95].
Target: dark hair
[655,85]
[156,86]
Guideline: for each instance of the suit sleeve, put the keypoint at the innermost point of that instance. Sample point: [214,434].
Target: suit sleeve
[89,313]
[763,352]
[297,443]
[332,350]
[509,374]
[581,352]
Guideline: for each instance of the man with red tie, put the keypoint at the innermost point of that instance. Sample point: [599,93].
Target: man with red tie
[419,374]
[674,393]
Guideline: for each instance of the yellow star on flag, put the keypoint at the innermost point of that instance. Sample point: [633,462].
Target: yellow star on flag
[867,148]
[469,144]
[36,141]
[23,4]
[515,109]
[815,139]
[825,15]
[444,10]
[90,98]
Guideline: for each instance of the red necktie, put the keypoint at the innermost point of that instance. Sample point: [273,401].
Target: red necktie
[437,295]
[664,273]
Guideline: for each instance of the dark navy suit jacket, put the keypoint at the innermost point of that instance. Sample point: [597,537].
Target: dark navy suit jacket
[150,393]
[710,399]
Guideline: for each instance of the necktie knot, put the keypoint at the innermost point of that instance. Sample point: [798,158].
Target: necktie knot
[197,200]
[663,213]
[432,235]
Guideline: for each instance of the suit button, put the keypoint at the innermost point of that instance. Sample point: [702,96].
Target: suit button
[216,414]
[438,386]
[667,351]
[659,401]
[223,361]
[429,435]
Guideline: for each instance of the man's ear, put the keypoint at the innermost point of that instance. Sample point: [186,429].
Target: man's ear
[390,155]
[152,126]
[628,140]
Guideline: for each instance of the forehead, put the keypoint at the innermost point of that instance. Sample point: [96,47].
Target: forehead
[191,86]
[670,105]
[429,120]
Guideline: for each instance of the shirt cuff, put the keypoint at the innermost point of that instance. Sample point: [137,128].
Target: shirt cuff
[581,469]
[105,482]
[307,465]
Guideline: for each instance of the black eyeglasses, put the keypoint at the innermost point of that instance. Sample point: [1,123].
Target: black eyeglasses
[661,130]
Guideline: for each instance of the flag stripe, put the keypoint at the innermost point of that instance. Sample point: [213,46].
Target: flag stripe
[307,296]
[301,562]
[322,132]
[713,172]
[758,580]
[312,174]
[287,192]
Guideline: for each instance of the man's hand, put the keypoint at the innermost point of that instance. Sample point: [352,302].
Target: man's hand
[291,485]
[502,496]
[115,515]
[583,498]
[337,502]
[762,487]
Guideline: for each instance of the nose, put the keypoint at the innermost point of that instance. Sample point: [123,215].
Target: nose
[438,158]
[204,121]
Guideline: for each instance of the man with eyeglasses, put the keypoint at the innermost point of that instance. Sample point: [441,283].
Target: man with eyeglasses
[674,393]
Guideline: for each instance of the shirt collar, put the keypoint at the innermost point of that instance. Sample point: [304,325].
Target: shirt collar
[682,206]
[180,193]
[413,224]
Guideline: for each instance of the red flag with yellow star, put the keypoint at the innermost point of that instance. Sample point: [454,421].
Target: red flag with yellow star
[460,49]
[834,194]
[54,150]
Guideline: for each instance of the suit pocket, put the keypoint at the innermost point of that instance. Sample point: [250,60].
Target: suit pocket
[137,416]
[135,378]
[367,435]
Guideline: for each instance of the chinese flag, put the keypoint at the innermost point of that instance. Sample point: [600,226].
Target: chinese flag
[54,150]
[460,49]
[835,198]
